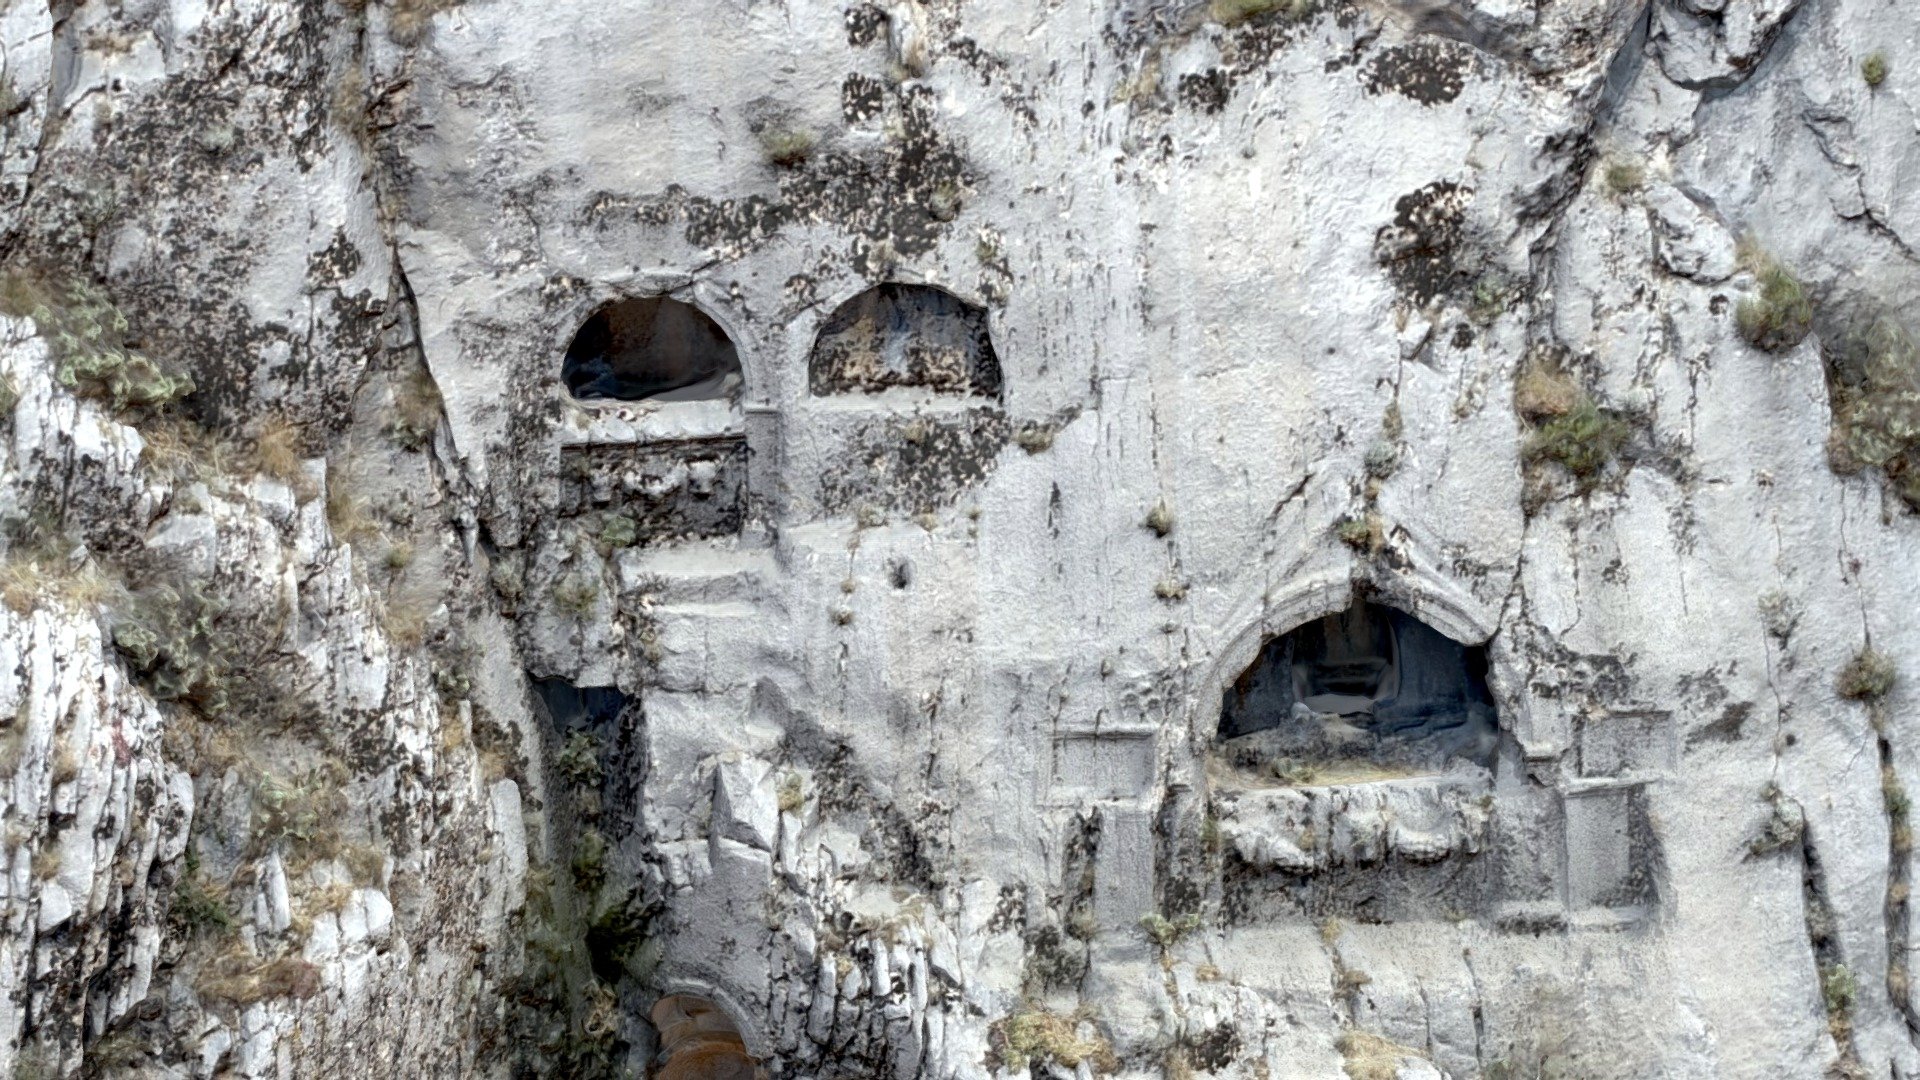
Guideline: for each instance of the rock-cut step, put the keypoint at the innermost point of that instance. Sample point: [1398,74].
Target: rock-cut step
[716,577]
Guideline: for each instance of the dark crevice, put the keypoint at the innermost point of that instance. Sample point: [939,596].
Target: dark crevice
[1833,979]
[1899,877]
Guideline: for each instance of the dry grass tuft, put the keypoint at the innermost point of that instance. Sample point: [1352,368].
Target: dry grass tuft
[1037,1035]
[1782,315]
[240,979]
[1542,392]
[1371,1057]
[280,451]
[1234,12]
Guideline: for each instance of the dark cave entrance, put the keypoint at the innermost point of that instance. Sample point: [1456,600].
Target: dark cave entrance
[1368,686]
[656,349]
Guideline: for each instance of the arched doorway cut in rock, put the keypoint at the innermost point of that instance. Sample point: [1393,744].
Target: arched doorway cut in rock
[1368,688]
[698,1041]
[655,349]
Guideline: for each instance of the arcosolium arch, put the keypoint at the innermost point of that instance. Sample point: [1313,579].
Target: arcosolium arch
[899,335]
[1366,685]
[698,1041]
[651,348]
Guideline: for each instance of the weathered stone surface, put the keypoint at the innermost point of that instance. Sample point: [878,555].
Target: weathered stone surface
[918,661]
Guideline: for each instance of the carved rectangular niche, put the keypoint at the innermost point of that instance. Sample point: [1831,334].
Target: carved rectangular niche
[1108,765]
[1636,743]
[691,488]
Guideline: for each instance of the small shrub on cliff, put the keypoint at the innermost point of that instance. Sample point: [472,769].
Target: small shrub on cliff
[1624,177]
[197,907]
[1874,387]
[1874,69]
[787,147]
[1784,828]
[1868,676]
[1583,441]
[1166,932]
[578,761]
[191,645]
[88,337]
[589,860]
[1782,315]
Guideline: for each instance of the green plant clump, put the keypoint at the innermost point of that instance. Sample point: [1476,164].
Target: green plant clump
[1875,391]
[787,147]
[1868,676]
[1874,69]
[579,760]
[1583,441]
[197,907]
[619,531]
[1782,315]
[189,646]
[1166,932]
[1624,177]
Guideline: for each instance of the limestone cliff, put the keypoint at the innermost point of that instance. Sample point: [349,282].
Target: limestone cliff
[959,538]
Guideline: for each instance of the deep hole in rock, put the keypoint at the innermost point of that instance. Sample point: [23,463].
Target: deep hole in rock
[655,348]
[1368,686]
[699,1042]
[580,707]
[905,335]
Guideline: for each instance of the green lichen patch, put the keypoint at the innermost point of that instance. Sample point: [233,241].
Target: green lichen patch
[91,342]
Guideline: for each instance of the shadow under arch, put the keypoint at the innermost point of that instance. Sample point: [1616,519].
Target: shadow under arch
[1285,611]
[657,348]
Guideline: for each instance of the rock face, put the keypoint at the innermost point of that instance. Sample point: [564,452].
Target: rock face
[391,698]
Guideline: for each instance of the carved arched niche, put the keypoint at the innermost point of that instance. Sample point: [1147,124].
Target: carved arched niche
[913,336]
[651,349]
[657,448]
[1365,693]
[699,1042]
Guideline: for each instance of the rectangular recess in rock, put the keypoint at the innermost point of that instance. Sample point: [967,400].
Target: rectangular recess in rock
[1635,743]
[1110,765]
[1609,847]
[694,488]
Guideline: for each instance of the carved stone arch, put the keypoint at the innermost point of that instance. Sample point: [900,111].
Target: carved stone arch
[1432,603]
[704,1035]
[660,347]
[905,335]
